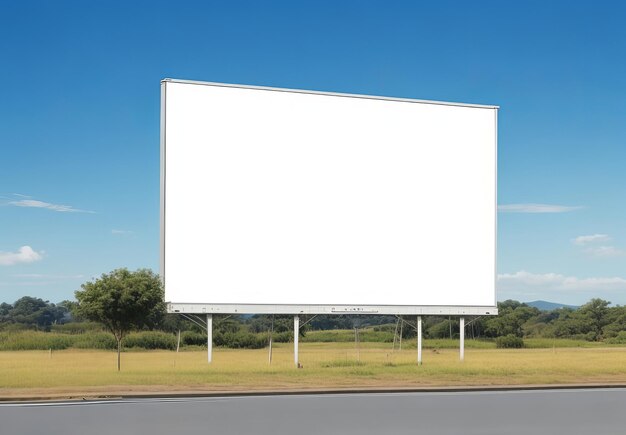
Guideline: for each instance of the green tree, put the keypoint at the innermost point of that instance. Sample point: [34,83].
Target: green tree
[122,301]
[71,307]
[616,318]
[33,312]
[570,324]
[512,315]
[596,313]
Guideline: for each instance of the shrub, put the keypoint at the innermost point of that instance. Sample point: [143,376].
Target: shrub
[282,337]
[347,335]
[150,340]
[192,338]
[240,340]
[509,342]
[385,328]
[34,340]
[620,338]
[14,327]
[76,327]
[95,340]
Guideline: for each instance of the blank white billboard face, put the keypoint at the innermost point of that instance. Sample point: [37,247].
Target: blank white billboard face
[277,197]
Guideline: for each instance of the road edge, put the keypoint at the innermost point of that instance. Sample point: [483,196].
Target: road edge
[299,392]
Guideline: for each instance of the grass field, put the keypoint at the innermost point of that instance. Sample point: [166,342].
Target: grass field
[326,365]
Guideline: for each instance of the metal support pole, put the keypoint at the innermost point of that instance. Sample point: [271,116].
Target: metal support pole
[419,340]
[296,336]
[209,333]
[462,338]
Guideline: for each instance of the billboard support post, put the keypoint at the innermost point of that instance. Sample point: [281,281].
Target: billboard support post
[209,333]
[419,340]
[296,336]
[462,338]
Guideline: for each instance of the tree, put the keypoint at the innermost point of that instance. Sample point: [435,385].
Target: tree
[616,318]
[510,320]
[71,307]
[32,312]
[595,311]
[122,301]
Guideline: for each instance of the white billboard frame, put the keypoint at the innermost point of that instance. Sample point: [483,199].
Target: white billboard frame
[295,309]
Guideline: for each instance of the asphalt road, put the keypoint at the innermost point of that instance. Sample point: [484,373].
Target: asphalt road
[595,412]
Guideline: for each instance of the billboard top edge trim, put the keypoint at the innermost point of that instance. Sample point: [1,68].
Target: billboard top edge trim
[334,94]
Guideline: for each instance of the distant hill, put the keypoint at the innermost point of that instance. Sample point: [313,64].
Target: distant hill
[549,306]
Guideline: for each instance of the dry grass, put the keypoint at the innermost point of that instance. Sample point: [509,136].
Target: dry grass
[326,365]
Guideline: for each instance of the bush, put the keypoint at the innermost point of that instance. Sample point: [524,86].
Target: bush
[620,338]
[589,336]
[95,340]
[240,340]
[34,340]
[76,327]
[385,328]
[191,338]
[509,342]
[347,335]
[442,329]
[14,327]
[282,337]
[150,340]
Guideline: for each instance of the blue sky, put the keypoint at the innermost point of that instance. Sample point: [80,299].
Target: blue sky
[79,111]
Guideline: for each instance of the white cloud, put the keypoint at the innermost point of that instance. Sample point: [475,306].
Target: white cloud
[591,241]
[593,238]
[25,254]
[33,203]
[526,282]
[536,208]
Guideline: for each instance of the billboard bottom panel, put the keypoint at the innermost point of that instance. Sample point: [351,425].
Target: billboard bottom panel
[195,308]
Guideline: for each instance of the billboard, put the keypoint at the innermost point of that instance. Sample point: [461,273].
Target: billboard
[290,201]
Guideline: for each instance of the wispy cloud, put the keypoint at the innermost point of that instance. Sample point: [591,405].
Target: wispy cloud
[537,208]
[45,276]
[33,203]
[26,283]
[25,254]
[39,280]
[591,242]
[526,282]
[122,232]
[605,251]
[593,238]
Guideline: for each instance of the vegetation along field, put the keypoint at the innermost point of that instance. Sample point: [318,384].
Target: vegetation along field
[49,349]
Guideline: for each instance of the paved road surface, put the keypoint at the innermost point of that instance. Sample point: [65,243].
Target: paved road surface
[571,412]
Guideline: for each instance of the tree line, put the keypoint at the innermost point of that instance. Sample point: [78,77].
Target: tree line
[596,320]
[123,301]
